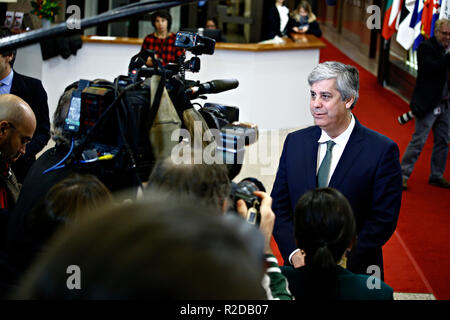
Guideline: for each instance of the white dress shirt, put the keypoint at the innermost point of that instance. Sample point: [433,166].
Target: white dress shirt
[338,149]
[284,17]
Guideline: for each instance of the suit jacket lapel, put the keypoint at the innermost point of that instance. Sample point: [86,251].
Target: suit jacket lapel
[15,85]
[311,161]
[348,157]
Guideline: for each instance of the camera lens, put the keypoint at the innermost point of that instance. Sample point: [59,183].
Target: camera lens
[248,187]
[404,118]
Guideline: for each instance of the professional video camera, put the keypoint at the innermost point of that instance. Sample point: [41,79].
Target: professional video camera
[110,123]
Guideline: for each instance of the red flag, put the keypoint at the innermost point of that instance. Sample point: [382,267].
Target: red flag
[391,16]
[427,16]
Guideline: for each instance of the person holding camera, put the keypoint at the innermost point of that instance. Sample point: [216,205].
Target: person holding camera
[162,41]
[208,184]
[430,105]
[339,152]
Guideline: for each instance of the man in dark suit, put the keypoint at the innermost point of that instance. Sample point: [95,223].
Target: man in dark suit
[430,105]
[341,153]
[32,91]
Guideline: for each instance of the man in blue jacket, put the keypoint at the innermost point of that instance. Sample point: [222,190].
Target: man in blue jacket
[341,153]
[34,94]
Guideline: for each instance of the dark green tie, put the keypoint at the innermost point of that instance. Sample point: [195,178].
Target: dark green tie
[324,170]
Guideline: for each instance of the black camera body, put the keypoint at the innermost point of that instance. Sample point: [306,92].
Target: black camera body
[109,123]
[244,190]
[109,135]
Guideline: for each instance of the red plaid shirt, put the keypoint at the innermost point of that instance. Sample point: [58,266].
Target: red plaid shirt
[164,48]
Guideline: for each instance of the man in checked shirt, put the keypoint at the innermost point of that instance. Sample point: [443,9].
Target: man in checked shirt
[162,41]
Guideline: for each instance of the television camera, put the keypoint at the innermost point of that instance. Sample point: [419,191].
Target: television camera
[109,123]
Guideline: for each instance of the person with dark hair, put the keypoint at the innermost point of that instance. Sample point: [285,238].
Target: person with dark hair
[430,106]
[208,184]
[303,21]
[33,93]
[167,250]
[162,41]
[212,24]
[277,20]
[341,153]
[64,205]
[325,229]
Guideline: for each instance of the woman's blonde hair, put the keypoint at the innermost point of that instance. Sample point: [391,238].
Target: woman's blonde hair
[307,7]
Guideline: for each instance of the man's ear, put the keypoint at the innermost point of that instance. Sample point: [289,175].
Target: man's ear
[10,57]
[4,125]
[349,102]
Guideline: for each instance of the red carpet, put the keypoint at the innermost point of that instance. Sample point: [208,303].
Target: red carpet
[417,256]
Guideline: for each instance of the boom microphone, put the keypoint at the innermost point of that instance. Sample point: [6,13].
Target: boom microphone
[213,86]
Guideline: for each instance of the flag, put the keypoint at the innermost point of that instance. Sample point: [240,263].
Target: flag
[445,10]
[405,33]
[429,6]
[435,16]
[390,22]
[416,23]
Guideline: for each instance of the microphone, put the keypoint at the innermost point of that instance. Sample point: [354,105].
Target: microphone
[213,86]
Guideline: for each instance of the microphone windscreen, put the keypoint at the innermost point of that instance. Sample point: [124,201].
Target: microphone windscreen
[224,85]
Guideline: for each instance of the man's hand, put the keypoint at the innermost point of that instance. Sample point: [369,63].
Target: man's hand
[149,62]
[298,259]
[267,217]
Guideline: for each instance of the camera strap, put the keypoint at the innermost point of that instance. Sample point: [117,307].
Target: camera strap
[157,99]
[156,102]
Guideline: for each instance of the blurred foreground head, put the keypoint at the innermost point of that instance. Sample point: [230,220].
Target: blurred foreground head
[149,249]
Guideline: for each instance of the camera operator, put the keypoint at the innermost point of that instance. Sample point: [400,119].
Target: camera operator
[275,282]
[430,105]
[209,184]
